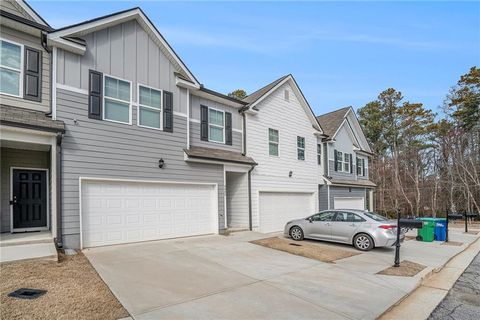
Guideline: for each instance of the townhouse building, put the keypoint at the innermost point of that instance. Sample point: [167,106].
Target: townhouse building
[107,138]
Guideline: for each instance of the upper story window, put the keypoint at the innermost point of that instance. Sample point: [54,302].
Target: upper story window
[346,162]
[319,153]
[273,142]
[286,95]
[117,100]
[300,148]
[216,125]
[342,161]
[149,107]
[360,167]
[11,68]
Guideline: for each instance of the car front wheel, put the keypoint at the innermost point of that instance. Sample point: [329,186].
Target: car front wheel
[363,242]
[296,233]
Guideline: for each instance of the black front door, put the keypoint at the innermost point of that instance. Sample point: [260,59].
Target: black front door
[29,199]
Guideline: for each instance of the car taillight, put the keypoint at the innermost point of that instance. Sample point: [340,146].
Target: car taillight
[386,226]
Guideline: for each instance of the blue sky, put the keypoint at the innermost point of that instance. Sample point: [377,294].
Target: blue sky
[340,53]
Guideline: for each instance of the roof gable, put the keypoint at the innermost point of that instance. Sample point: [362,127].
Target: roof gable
[333,121]
[61,37]
[22,9]
[255,98]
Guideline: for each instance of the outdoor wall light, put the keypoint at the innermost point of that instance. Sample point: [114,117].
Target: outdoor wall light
[161,163]
[290,174]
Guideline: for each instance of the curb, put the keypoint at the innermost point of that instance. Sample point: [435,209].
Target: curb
[428,276]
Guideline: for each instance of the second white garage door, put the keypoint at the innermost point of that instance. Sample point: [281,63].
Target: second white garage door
[349,203]
[277,208]
[123,212]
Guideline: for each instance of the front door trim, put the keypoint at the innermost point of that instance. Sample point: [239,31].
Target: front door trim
[12,230]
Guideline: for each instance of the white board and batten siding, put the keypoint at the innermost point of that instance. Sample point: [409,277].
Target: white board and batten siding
[272,173]
[116,211]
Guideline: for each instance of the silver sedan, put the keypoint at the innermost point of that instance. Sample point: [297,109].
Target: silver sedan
[364,229]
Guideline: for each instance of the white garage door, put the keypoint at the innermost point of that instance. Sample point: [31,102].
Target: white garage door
[123,212]
[277,208]
[349,203]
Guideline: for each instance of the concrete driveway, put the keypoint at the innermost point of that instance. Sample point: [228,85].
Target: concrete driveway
[219,277]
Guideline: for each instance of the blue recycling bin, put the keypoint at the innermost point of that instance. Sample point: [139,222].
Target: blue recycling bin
[440,232]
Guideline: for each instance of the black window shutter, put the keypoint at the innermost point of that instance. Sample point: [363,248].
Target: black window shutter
[335,157]
[351,163]
[95,94]
[204,123]
[32,87]
[363,166]
[228,128]
[167,111]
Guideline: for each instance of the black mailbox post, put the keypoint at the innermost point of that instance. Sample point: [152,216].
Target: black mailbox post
[404,223]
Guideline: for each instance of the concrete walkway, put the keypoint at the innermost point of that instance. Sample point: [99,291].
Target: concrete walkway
[219,277]
[421,302]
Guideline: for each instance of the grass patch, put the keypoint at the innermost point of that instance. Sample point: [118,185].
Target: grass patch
[406,269]
[308,250]
[75,291]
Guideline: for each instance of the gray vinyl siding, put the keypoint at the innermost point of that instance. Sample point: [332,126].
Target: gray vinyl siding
[33,42]
[322,197]
[341,175]
[95,148]
[196,102]
[125,51]
[16,158]
[196,141]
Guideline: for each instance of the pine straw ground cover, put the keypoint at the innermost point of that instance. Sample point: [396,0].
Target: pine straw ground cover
[75,291]
[315,251]
[406,269]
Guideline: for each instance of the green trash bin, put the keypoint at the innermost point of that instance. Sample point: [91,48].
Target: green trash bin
[427,233]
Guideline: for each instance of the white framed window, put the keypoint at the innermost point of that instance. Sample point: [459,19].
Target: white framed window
[216,125]
[273,141]
[346,162]
[11,68]
[117,100]
[359,167]
[150,104]
[319,153]
[300,148]
[286,95]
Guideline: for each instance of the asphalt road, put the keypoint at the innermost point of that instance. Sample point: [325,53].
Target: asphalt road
[463,300]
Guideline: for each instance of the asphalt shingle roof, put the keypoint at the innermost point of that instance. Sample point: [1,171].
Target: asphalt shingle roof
[330,122]
[262,91]
[217,154]
[19,117]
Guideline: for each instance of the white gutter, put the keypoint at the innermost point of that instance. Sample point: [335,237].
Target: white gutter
[188,118]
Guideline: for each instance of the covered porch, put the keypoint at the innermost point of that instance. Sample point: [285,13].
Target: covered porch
[29,163]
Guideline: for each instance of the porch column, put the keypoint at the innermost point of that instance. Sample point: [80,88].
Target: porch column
[53,185]
[370,199]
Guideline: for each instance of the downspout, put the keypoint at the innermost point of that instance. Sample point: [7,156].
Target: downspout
[250,227]
[59,190]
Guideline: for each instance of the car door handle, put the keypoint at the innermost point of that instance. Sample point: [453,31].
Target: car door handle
[352,224]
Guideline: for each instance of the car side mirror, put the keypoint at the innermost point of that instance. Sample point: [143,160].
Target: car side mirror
[310,219]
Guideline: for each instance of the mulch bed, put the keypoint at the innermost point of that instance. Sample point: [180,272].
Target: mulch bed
[406,269]
[308,250]
[74,291]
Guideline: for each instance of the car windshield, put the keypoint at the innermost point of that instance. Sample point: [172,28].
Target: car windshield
[375,216]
